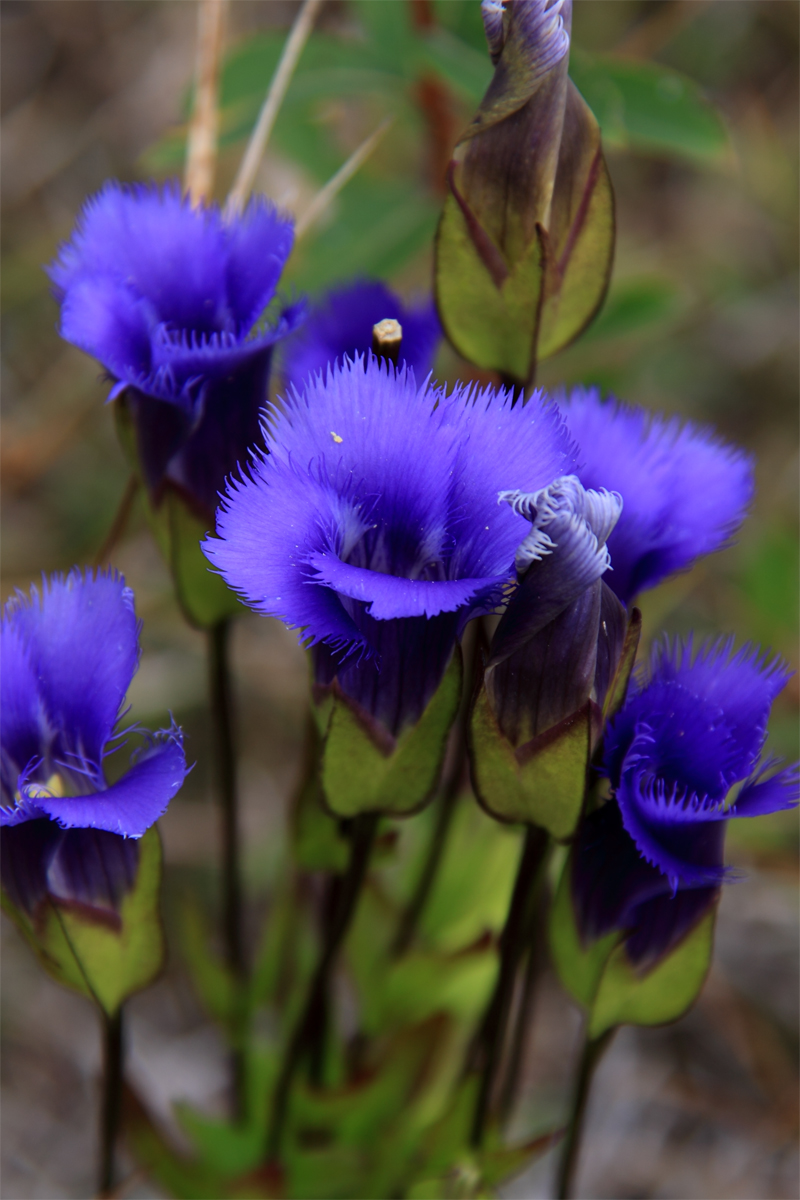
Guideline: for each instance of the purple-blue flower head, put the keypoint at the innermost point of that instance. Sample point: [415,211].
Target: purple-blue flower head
[169,298]
[650,860]
[340,326]
[685,492]
[374,526]
[69,654]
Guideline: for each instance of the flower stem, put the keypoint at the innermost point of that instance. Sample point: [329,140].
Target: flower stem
[362,835]
[593,1050]
[522,1020]
[119,524]
[113,1051]
[491,1035]
[222,719]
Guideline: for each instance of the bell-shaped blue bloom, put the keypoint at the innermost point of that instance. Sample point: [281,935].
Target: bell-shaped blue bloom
[170,300]
[374,527]
[650,860]
[685,492]
[340,326]
[69,654]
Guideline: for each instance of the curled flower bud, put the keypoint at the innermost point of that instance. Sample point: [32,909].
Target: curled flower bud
[525,242]
[650,860]
[69,655]
[543,658]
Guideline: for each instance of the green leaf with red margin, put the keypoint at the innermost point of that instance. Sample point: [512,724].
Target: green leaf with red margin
[365,770]
[541,783]
[102,954]
[601,978]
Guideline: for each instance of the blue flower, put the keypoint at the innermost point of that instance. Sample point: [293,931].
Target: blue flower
[340,326]
[685,492]
[170,299]
[560,636]
[650,860]
[69,655]
[374,527]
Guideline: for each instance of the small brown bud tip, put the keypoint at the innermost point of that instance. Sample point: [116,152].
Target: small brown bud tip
[387,337]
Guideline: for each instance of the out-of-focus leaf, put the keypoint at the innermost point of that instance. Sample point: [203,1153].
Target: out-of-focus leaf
[234,1148]
[379,225]
[645,106]
[633,305]
[663,994]
[473,886]
[541,783]
[182,1177]
[579,967]
[466,69]
[210,975]
[769,578]
[360,776]
[104,955]
[419,985]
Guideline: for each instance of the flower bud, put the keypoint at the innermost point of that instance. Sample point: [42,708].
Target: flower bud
[526,238]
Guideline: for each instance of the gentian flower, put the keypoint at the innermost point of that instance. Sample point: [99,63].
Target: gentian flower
[557,641]
[650,860]
[685,492]
[69,655]
[340,325]
[373,526]
[169,298]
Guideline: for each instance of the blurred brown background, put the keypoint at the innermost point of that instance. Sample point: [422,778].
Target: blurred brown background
[704,1108]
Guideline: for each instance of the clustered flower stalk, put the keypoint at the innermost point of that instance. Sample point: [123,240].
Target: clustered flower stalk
[396,525]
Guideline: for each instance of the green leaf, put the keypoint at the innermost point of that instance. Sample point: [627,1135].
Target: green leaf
[580,234]
[360,775]
[649,107]
[105,956]
[182,1177]
[541,783]
[493,326]
[210,975]
[473,885]
[663,994]
[579,966]
[204,597]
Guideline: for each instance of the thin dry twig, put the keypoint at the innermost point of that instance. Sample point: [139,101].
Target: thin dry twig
[243,184]
[335,184]
[120,522]
[201,149]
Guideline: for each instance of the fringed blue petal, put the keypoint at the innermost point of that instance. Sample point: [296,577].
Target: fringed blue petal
[685,492]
